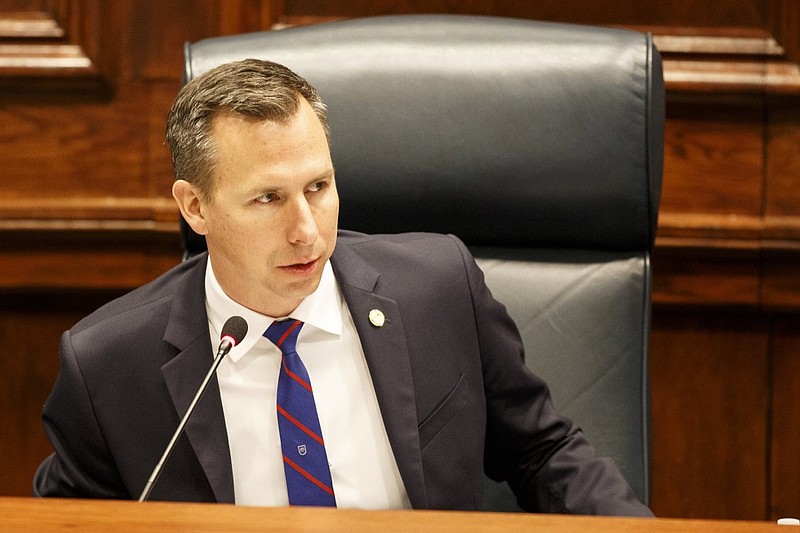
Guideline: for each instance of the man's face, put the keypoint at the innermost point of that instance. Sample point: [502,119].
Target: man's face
[272,218]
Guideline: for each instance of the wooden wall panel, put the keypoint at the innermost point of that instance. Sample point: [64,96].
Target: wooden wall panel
[51,141]
[781,280]
[785,428]
[713,158]
[782,194]
[715,277]
[97,259]
[29,367]
[50,43]
[158,46]
[784,23]
[710,391]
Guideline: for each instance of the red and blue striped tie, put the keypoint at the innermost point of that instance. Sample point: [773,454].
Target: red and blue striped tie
[308,476]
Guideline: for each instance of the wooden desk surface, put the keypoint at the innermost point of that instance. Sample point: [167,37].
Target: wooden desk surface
[31,514]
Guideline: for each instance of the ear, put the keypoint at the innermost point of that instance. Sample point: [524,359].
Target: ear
[189,202]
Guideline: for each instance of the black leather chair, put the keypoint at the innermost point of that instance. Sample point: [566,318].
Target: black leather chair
[541,146]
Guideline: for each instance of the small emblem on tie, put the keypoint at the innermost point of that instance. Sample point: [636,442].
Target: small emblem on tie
[377,318]
[302,450]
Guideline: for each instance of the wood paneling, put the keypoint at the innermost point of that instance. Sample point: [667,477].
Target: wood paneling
[781,281]
[85,211]
[98,259]
[785,414]
[782,194]
[714,277]
[49,42]
[713,158]
[784,23]
[710,390]
[30,327]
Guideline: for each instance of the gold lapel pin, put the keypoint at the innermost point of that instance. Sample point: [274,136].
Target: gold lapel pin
[377,318]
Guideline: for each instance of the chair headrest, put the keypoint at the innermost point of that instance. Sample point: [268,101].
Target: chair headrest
[501,131]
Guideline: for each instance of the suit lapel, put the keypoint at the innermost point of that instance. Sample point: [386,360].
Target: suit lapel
[387,357]
[187,330]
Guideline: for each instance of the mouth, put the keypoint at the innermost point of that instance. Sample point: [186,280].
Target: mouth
[301,268]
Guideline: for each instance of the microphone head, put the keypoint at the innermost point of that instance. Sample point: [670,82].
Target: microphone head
[234,330]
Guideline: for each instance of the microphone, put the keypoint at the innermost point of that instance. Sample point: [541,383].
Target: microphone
[233,332]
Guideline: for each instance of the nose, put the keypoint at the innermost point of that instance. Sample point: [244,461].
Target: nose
[302,226]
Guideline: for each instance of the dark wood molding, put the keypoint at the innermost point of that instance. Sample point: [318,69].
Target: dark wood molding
[730,60]
[29,25]
[53,45]
[784,23]
[85,257]
[70,214]
[733,232]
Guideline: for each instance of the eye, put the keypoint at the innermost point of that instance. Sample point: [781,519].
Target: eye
[318,186]
[266,198]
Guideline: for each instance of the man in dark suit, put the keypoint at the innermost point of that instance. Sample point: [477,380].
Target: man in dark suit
[417,372]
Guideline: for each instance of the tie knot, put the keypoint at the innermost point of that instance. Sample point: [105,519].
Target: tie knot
[283,334]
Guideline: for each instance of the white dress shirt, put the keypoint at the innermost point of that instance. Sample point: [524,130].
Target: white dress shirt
[363,468]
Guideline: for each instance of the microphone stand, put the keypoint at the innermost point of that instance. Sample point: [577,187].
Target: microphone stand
[224,348]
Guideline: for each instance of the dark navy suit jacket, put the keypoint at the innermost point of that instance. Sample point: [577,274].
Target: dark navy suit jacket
[447,367]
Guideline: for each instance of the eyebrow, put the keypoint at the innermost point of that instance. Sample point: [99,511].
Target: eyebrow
[327,175]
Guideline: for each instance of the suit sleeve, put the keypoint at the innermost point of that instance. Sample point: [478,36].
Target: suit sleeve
[544,457]
[81,465]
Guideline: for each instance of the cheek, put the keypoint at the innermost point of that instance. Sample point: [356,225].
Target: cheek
[235,232]
[239,223]
[332,215]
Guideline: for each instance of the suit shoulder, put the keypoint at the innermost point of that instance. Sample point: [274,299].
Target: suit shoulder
[436,255]
[139,301]
[401,243]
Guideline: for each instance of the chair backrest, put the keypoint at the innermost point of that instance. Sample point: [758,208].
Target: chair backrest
[541,146]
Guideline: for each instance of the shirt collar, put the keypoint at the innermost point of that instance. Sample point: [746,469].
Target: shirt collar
[321,309]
